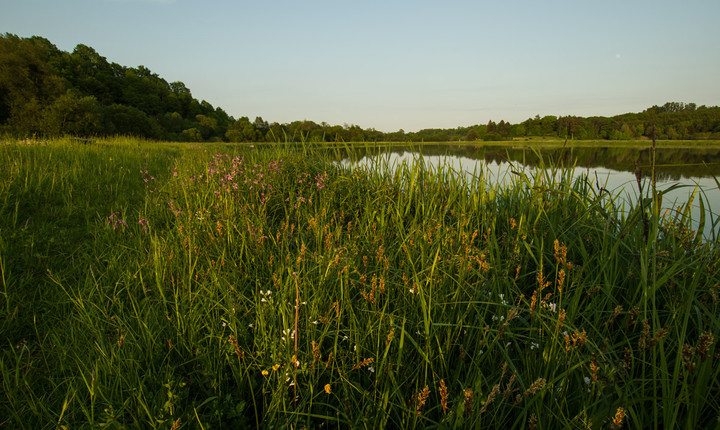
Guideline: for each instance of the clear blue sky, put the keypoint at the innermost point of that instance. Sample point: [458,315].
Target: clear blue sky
[402,64]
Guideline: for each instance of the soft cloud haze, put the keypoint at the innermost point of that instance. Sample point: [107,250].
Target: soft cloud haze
[410,64]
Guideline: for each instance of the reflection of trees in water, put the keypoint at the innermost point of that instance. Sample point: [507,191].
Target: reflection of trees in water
[671,163]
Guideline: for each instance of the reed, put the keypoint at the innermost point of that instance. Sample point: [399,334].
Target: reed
[175,286]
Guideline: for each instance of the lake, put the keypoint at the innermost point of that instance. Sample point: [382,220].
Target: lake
[683,171]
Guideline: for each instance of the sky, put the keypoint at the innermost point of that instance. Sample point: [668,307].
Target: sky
[408,65]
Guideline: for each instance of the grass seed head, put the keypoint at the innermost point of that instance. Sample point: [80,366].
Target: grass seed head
[443,396]
[365,362]
[618,418]
[704,343]
[421,399]
[490,398]
[468,402]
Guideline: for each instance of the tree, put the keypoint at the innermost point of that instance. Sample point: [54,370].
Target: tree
[261,125]
[191,135]
[73,114]
[241,130]
[206,125]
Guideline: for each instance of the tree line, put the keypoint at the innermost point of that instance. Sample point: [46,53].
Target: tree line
[47,91]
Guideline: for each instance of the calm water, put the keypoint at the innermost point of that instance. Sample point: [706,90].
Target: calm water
[612,168]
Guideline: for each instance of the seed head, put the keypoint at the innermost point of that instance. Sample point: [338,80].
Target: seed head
[443,396]
[704,343]
[618,418]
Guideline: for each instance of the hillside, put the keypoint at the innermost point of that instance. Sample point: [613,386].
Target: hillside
[50,92]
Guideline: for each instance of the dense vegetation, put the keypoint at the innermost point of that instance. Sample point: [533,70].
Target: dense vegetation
[222,286]
[46,91]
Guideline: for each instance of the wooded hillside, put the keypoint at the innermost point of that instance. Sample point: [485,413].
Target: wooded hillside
[47,91]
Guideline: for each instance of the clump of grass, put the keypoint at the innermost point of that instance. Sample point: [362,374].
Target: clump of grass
[147,285]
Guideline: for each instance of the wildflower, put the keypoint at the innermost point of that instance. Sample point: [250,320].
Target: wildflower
[265,372]
[502,299]
[328,389]
[116,221]
[276,367]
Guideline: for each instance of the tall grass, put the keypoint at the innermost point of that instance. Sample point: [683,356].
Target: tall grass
[155,286]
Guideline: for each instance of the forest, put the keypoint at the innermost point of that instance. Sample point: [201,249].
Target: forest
[45,91]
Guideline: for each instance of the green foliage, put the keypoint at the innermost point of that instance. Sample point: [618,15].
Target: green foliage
[213,286]
[46,91]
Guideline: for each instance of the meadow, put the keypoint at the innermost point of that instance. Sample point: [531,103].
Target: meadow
[159,285]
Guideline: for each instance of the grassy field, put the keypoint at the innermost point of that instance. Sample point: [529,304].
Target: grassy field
[149,285]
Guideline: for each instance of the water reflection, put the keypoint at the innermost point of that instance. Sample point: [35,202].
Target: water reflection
[611,168]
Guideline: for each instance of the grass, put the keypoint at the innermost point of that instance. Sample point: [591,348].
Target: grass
[197,286]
